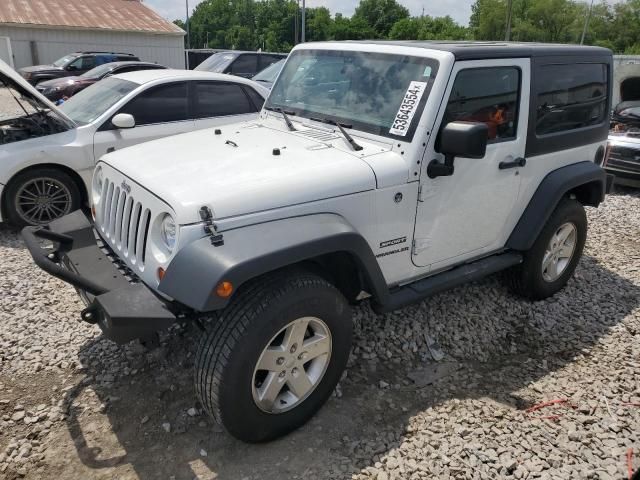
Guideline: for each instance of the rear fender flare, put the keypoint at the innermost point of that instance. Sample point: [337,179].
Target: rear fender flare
[586,179]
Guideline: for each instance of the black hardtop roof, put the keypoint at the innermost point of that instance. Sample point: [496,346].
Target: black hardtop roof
[466,50]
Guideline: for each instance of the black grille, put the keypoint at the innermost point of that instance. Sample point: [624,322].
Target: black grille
[624,158]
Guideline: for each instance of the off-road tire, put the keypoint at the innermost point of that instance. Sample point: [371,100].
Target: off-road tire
[17,183]
[527,279]
[232,343]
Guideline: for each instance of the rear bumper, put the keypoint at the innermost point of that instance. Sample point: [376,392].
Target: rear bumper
[123,308]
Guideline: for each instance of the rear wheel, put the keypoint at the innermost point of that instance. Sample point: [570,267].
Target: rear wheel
[552,259]
[38,196]
[274,355]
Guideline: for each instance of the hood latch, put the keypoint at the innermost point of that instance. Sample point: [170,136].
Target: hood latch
[210,228]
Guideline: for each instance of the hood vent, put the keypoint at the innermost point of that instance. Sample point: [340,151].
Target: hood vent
[319,135]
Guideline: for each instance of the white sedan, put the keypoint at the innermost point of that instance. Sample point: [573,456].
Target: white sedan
[47,153]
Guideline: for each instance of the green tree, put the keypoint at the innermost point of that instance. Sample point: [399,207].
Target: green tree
[488,19]
[344,28]
[380,15]
[428,28]
[318,24]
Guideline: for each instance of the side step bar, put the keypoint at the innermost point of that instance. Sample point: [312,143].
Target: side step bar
[421,289]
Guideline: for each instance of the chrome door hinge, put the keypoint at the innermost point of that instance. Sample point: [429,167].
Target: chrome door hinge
[420,245]
[420,189]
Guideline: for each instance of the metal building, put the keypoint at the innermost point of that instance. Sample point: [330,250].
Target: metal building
[36,32]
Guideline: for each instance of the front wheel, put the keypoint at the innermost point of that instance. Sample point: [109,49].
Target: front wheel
[552,259]
[274,355]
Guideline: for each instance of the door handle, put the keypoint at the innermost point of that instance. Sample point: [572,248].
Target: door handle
[111,149]
[518,162]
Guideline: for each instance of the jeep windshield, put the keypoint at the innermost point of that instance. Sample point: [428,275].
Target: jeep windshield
[383,94]
[86,106]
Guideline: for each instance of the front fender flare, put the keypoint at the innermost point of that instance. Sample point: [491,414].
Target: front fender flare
[248,252]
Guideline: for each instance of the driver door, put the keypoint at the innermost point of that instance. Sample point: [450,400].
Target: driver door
[471,212]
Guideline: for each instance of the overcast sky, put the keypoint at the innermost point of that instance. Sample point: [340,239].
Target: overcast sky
[460,10]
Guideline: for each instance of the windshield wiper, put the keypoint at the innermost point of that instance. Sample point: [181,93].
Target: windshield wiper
[342,127]
[287,120]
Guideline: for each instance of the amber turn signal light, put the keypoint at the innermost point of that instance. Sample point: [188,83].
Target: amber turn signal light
[93,212]
[224,289]
[160,273]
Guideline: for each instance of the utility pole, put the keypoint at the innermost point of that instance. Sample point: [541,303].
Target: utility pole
[207,44]
[507,35]
[295,25]
[302,39]
[586,24]
[188,33]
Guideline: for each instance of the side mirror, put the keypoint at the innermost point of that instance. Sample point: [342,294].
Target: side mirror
[72,68]
[123,120]
[459,139]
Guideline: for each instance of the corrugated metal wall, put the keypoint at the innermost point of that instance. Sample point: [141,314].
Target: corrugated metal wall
[53,43]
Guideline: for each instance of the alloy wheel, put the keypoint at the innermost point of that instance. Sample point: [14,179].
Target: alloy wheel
[559,252]
[292,365]
[41,200]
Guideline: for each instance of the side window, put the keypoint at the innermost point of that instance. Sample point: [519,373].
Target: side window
[487,95]
[215,99]
[87,63]
[162,104]
[245,64]
[570,97]
[257,99]
[102,59]
[83,63]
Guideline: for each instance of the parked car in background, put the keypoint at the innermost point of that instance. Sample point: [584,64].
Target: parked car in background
[72,64]
[241,64]
[268,76]
[60,88]
[623,150]
[47,153]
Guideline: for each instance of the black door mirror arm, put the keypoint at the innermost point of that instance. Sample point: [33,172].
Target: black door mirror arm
[439,169]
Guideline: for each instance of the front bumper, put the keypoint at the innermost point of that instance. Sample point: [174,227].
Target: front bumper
[123,308]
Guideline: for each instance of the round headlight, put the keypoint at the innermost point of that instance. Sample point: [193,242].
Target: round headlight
[97,185]
[168,231]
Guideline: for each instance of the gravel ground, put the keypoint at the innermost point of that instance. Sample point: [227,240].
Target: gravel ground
[451,388]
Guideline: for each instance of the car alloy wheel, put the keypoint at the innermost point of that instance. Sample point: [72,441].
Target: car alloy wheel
[559,252]
[291,365]
[42,199]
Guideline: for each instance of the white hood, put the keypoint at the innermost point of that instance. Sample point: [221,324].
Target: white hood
[14,79]
[236,172]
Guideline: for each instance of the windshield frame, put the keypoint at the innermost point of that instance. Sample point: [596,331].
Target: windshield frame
[80,97]
[353,123]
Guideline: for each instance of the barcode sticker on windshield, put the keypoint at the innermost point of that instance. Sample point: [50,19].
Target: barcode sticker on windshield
[407,108]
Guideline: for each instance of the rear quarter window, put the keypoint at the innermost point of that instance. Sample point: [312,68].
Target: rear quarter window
[571,97]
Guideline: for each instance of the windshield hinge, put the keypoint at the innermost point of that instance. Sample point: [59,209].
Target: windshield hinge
[210,228]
